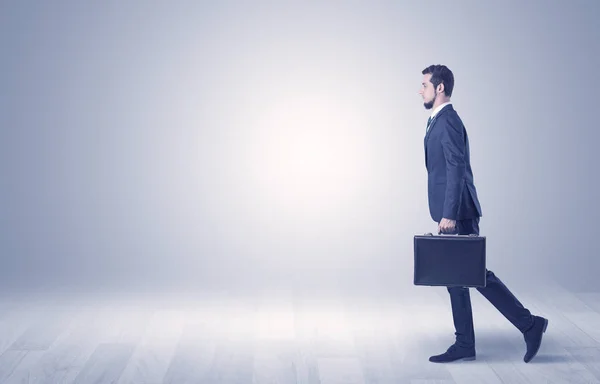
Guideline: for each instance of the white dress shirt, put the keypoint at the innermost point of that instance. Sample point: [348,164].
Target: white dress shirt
[435,111]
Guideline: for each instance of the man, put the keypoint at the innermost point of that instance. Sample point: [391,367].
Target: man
[454,205]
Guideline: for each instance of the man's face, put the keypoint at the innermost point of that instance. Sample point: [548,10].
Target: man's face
[428,92]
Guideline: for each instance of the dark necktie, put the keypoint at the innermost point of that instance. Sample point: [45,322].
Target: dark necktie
[428,122]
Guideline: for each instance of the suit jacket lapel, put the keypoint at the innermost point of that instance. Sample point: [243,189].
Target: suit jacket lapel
[434,120]
[432,126]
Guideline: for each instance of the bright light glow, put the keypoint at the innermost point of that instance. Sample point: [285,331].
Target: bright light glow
[312,155]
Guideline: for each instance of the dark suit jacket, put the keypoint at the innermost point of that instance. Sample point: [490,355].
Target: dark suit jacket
[451,191]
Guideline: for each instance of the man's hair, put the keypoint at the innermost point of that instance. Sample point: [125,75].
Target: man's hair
[440,74]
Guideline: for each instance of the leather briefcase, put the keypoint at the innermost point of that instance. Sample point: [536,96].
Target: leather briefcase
[449,260]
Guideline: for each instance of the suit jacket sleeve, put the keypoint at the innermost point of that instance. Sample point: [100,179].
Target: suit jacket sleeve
[453,144]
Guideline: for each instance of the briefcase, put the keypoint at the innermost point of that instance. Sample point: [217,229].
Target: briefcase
[449,260]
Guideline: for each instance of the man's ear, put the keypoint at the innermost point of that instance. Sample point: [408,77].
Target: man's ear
[440,88]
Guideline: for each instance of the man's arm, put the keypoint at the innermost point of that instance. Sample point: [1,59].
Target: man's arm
[453,144]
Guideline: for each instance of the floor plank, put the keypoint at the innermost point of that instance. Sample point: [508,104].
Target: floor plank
[291,335]
[588,357]
[106,364]
[152,356]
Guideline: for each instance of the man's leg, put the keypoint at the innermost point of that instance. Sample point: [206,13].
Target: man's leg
[460,298]
[532,327]
[462,314]
[497,293]
[503,299]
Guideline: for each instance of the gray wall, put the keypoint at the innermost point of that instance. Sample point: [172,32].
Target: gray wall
[238,141]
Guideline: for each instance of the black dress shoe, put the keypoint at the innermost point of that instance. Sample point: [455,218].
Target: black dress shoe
[533,337]
[454,353]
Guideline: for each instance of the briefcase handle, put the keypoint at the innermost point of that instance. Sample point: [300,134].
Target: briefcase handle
[450,234]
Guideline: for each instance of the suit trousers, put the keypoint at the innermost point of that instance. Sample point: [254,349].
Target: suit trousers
[495,292]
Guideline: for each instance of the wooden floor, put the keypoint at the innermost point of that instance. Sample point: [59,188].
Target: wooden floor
[288,336]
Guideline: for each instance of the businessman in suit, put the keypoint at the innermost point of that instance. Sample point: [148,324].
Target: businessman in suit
[454,205]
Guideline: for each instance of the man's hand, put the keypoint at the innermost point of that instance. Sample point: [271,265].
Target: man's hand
[446,226]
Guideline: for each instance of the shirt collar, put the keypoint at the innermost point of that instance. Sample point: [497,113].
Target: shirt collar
[439,108]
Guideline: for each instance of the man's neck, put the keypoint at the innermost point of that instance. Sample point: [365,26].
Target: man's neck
[437,108]
[439,101]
